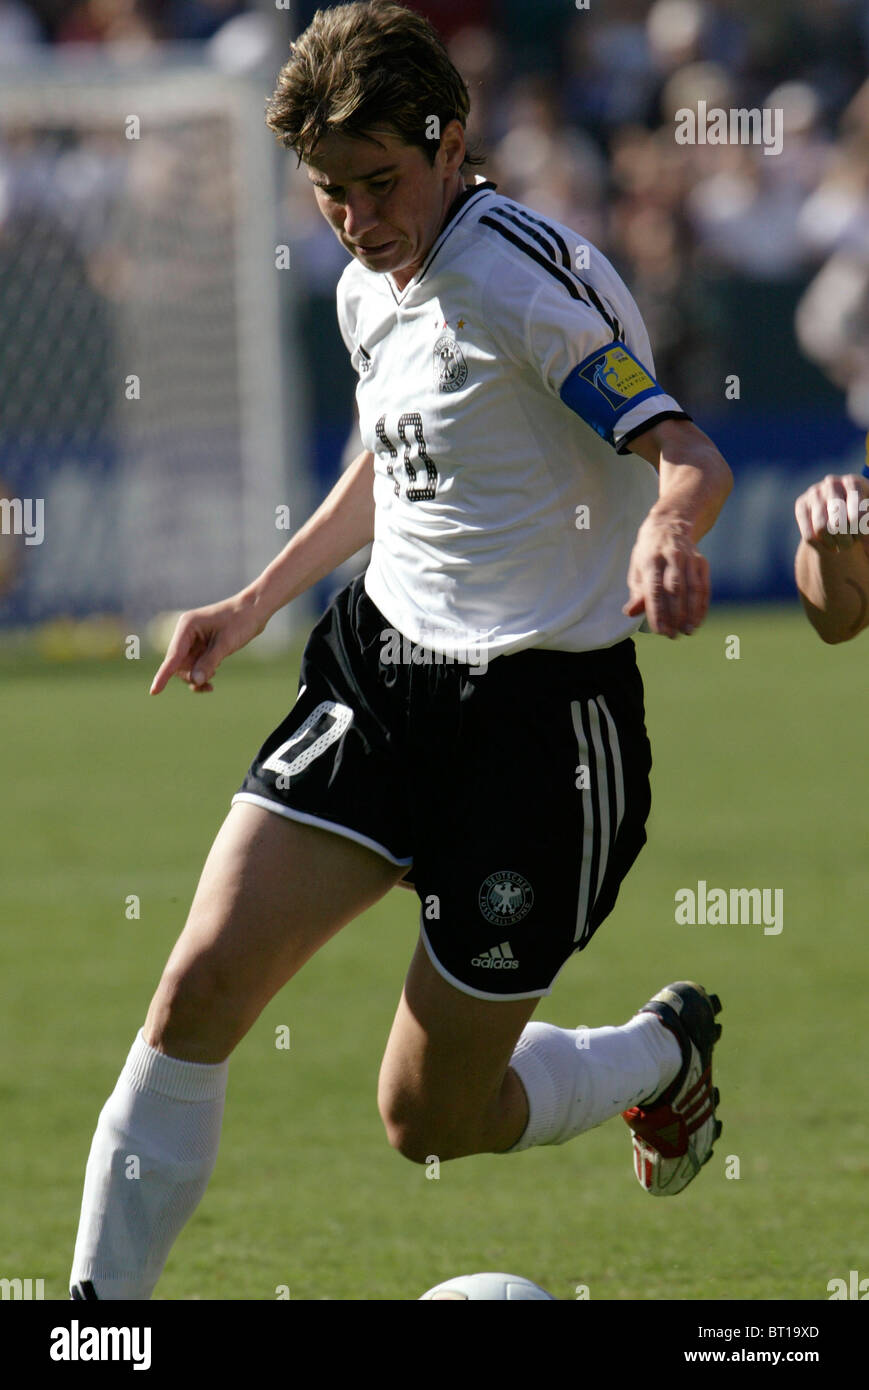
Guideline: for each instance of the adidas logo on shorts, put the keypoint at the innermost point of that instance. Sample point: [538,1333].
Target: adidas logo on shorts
[499,958]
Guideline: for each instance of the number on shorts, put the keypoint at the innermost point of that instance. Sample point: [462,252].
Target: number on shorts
[323,727]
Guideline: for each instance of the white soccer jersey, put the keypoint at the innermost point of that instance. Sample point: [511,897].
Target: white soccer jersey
[498,392]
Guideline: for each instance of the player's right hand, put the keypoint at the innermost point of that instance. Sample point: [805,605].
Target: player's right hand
[204,636]
[820,516]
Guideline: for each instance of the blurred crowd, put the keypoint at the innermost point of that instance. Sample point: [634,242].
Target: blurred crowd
[113,22]
[576,108]
[735,256]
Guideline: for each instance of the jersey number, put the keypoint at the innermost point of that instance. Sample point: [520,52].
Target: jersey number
[412,492]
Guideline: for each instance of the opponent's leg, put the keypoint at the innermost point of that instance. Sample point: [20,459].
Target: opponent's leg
[271,893]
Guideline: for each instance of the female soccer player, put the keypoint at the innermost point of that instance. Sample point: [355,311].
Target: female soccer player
[470,714]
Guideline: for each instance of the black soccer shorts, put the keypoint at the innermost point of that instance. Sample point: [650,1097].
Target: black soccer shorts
[516,794]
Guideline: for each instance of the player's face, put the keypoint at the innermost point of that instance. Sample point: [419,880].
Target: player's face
[385,202]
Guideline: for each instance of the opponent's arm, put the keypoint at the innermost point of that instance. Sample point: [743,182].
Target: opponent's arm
[832,565]
[340,526]
[667,575]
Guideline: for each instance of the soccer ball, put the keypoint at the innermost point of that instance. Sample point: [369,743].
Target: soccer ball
[487,1286]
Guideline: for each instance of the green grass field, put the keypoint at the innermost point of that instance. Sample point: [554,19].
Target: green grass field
[759,781]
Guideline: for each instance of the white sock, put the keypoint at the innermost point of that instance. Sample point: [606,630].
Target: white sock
[163,1121]
[577,1078]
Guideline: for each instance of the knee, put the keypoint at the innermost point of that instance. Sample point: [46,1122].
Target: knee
[412,1142]
[418,1144]
[418,1134]
[191,1014]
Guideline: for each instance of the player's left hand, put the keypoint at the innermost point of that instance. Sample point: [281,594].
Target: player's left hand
[668,578]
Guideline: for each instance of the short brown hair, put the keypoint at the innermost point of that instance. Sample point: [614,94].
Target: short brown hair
[362,66]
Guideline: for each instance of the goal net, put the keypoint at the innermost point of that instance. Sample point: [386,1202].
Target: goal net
[150,394]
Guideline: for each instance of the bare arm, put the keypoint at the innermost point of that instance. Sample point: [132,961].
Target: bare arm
[668,578]
[343,524]
[832,560]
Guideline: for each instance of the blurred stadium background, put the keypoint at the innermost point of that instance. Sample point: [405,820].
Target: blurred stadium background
[156,257]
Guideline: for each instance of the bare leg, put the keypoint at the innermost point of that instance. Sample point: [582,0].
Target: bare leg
[272,892]
[446,1087]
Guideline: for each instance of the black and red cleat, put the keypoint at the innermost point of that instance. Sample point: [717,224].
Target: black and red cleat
[673,1134]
